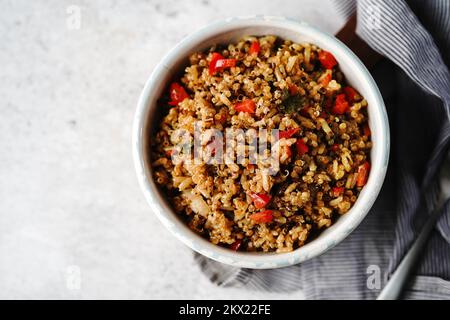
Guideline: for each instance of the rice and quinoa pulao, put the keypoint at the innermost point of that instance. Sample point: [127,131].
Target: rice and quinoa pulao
[324,139]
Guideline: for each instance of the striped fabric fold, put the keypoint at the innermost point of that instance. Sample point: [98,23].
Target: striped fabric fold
[385,26]
[393,30]
[346,8]
[415,83]
[444,222]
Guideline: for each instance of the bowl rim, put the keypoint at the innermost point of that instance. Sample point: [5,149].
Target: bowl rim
[244,259]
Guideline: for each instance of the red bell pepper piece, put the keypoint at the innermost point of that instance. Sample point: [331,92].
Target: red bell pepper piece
[366,130]
[337,191]
[341,105]
[254,48]
[260,200]
[177,94]
[288,133]
[169,153]
[212,65]
[335,147]
[219,63]
[288,151]
[293,89]
[245,106]
[225,63]
[265,216]
[350,93]
[363,174]
[327,60]
[223,118]
[302,148]
[236,245]
[325,79]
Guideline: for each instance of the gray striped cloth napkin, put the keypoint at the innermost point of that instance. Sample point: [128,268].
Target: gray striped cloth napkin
[414,36]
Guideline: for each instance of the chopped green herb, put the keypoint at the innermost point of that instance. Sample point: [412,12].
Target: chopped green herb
[293,103]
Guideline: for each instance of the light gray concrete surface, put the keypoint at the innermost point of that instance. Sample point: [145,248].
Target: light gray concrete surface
[73,221]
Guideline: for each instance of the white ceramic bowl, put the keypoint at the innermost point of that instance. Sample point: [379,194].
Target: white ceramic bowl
[225,32]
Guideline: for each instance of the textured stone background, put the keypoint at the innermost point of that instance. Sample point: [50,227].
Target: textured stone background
[73,221]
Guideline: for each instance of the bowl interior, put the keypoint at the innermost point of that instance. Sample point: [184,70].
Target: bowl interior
[230,31]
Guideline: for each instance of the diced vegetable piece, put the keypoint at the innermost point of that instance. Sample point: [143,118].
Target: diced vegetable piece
[327,60]
[350,93]
[222,118]
[366,130]
[288,133]
[177,94]
[260,200]
[341,105]
[337,191]
[254,48]
[363,174]
[169,153]
[219,63]
[212,65]
[288,151]
[325,79]
[245,106]
[225,63]
[293,89]
[335,147]
[302,148]
[265,216]
[236,245]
